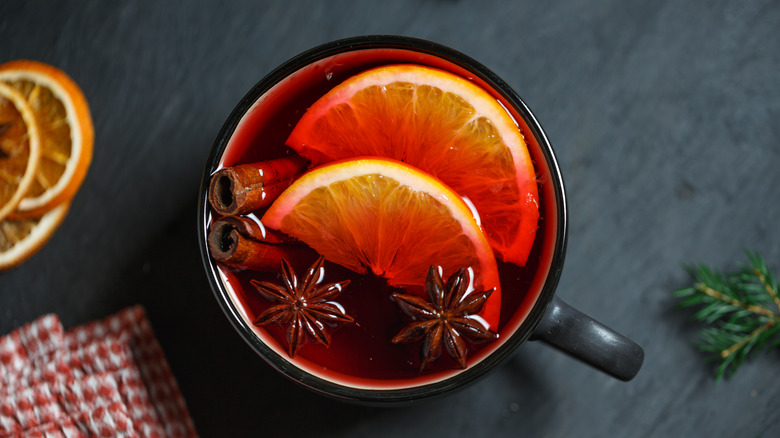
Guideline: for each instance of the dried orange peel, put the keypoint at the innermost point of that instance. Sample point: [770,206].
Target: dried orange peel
[20,239]
[66,133]
[46,140]
[20,148]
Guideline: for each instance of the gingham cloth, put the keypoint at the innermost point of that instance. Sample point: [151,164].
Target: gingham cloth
[107,378]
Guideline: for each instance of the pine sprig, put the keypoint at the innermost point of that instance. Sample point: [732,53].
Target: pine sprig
[742,309]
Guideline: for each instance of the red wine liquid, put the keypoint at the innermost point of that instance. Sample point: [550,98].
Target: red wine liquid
[361,354]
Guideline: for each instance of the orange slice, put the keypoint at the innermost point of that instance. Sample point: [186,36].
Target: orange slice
[384,217]
[20,148]
[67,134]
[442,124]
[20,239]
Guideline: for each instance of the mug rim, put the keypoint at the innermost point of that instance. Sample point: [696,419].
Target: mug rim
[400,395]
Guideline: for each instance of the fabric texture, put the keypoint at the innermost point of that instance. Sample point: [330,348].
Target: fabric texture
[107,378]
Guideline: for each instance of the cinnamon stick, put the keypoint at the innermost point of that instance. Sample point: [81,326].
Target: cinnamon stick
[244,244]
[248,187]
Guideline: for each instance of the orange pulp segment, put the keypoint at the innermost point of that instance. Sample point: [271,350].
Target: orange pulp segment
[442,124]
[19,148]
[383,217]
[67,133]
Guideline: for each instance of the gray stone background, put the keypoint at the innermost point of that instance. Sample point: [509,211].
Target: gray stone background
[665,117]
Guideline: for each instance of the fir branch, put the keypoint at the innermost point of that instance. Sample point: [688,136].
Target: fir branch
[742,308]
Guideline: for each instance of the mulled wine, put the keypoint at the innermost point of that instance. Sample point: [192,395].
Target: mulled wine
[360,352]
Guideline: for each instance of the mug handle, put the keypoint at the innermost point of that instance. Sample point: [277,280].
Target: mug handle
[586,339]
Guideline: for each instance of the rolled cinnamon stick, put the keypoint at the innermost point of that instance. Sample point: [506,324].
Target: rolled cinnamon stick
[243,244]
[251,227]
[247,187]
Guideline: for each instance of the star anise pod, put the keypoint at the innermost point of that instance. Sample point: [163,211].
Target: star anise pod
[447,318]
[305,307]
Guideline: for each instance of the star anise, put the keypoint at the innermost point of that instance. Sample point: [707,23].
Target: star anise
[447,319]
[304,307]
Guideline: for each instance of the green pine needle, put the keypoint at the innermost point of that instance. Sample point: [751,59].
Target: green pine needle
[742,309]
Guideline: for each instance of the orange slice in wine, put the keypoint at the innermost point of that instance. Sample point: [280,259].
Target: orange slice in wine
[66,132]
[387,218]
[20,148]
[442,124]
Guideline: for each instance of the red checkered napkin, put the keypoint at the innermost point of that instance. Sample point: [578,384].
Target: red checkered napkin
[65,428]
[106,378]
[113,356]
[29,348]
[92,404]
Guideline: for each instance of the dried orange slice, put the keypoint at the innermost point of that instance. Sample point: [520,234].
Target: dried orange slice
[387,218]
[67,134]
[21,238]
[442,124]
[20,148]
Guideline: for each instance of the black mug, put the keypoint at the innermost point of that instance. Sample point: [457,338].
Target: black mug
[544,317]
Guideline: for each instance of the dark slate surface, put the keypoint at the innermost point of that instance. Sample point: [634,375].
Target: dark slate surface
[664,116]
